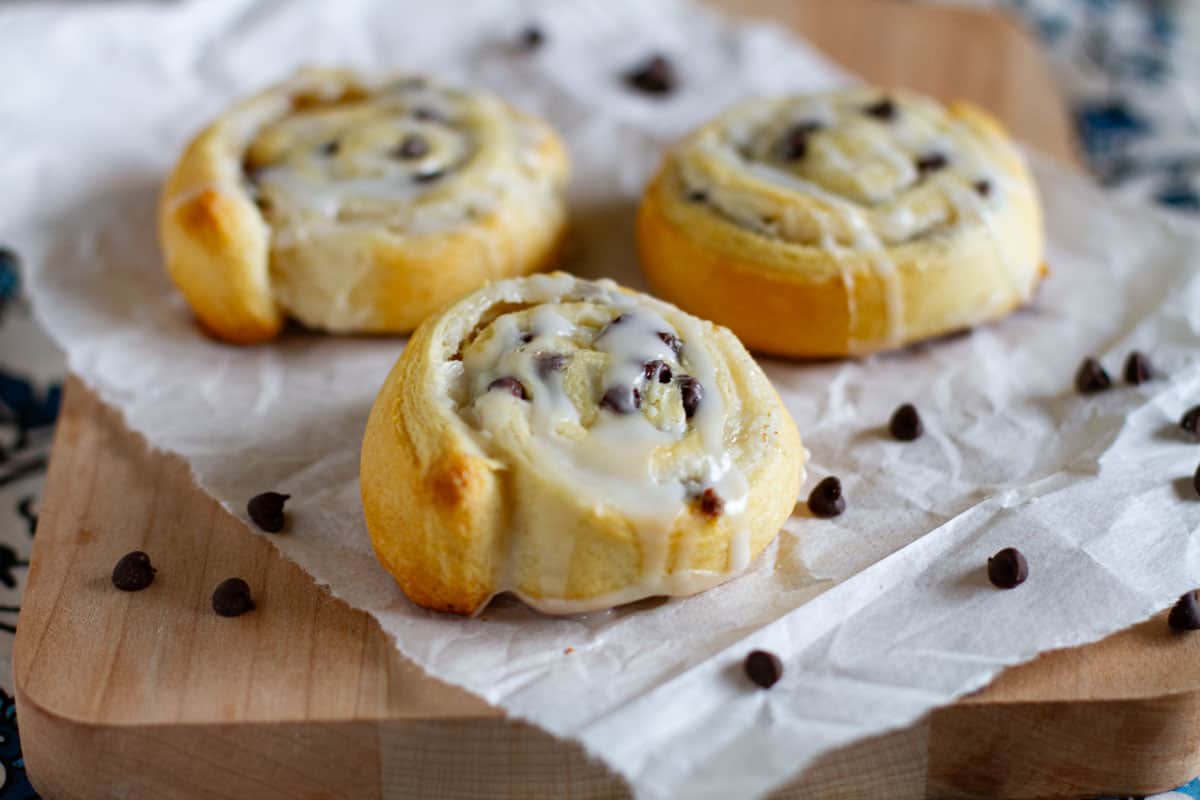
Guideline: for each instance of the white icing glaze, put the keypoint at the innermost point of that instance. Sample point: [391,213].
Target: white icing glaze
[638,464]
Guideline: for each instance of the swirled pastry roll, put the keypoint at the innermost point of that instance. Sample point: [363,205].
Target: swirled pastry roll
[574,443]
[357,206]
[844,223]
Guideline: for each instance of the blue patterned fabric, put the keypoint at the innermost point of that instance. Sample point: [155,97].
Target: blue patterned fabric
[1130,68]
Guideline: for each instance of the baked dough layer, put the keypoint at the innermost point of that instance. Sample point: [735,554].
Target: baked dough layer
[844,223]
[354,205]
[575,443]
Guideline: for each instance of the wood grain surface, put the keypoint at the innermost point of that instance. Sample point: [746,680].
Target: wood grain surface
[151,695]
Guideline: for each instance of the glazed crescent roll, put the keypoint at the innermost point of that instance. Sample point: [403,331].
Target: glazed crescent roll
[844,223]
[357,205]
[577,444]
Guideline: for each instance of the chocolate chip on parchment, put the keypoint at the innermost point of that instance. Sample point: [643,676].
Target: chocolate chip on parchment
[884,109]
[983,187]
[1185,614]
[826,498]
[1007,569]
[672,341]
[621,399]
[546,363]
[764,669]
[266,510]
[412,146]
[657,370]
[931,162]
[232,598]
[711,504]
[691,393]
[905,424]
[133,572]
[511,385]
[1138,368]
[1191,421]
[1091,377]
[656,75]
[531,38]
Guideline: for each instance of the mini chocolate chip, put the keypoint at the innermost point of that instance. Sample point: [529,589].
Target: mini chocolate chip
[1008,568]
[655,75]
[510,385]
[711,504]
[1138,368]
[133,572]
[428,177]
[826,498]
[691,393]
[1196,480]
[672,341]
[266,510]
[931,162]
[1185,614]
[795,142]
[905,424]
[232,598]
[427,115]
[983,187]
[621,400]
[697,196]
[1191,421]
[1091,377]
[531,38]
[763,669]
[527,337]
[657,370]
[331,148]
[412,146]
[883,109]
[546,363]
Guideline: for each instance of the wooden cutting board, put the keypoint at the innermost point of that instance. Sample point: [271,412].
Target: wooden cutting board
[153,696]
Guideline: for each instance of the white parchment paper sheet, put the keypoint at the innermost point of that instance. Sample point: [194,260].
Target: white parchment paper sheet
[879,615]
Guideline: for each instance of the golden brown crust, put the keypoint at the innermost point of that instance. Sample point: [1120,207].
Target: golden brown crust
[311,251]
[788,295]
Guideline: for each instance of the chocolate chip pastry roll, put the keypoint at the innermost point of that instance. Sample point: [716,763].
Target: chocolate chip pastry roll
[844,223]
[577,444]
[357,205]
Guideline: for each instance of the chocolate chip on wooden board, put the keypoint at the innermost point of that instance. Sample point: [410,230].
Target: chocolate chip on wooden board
[763,668]
[1185,614]
[1007,569]
[266,510]
[655,75]
[826,499]
[232,598]
[1091,377]
[905,424]
[133,572]
[1138,368]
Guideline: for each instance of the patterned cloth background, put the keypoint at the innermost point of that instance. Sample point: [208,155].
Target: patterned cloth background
[1129,68]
